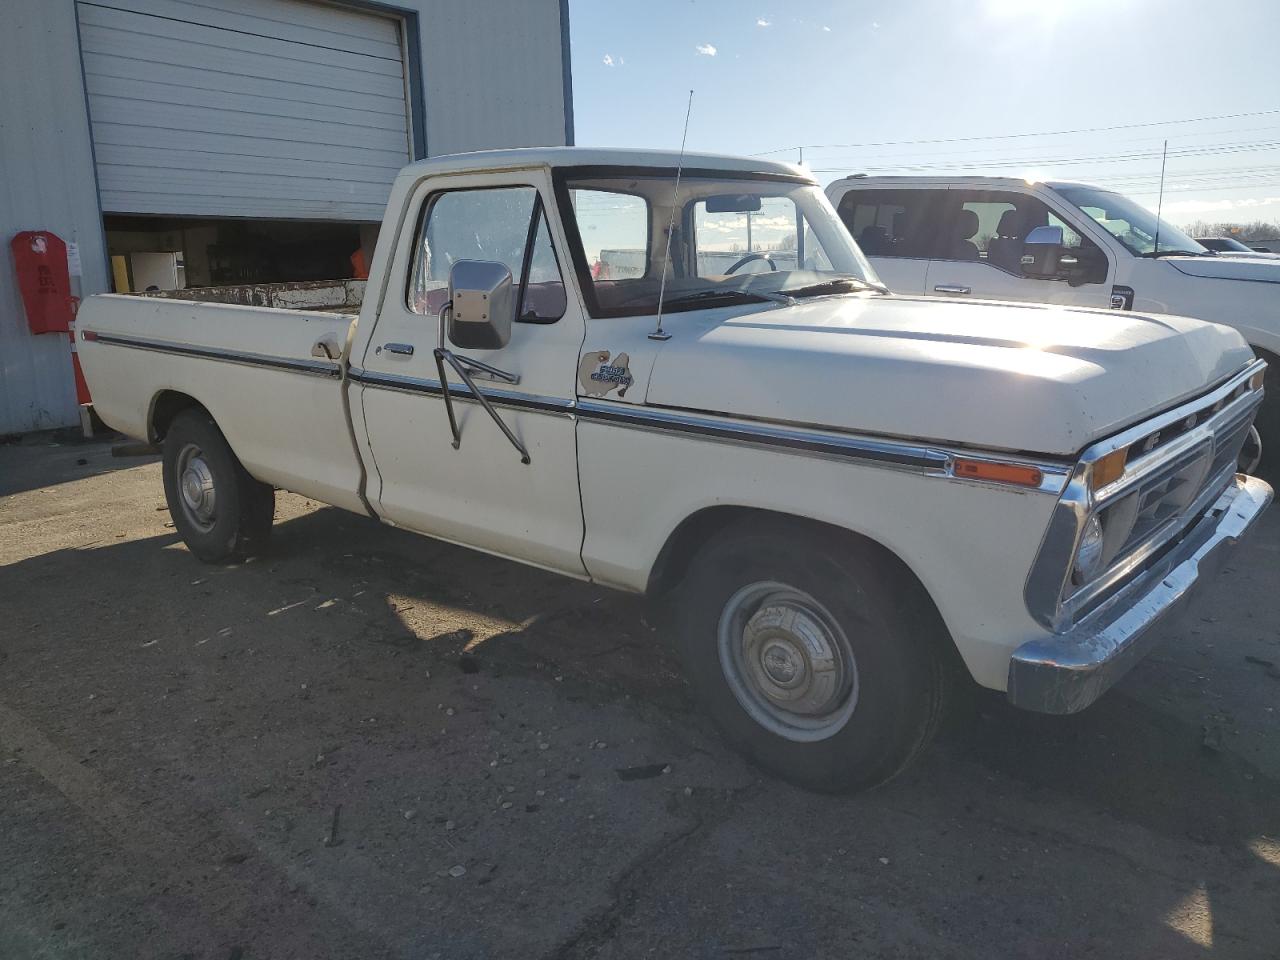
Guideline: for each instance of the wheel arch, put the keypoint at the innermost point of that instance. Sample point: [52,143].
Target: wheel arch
[683,543]
[164,407]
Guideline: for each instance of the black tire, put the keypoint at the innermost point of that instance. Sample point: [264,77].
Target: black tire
[241,511]
[1268,421]
[897,642]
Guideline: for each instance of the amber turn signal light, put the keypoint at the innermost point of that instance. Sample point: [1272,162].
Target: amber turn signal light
[1015,473]
[1109,469]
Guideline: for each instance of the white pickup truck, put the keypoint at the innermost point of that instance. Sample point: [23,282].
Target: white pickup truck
[1070,244]
[847,496]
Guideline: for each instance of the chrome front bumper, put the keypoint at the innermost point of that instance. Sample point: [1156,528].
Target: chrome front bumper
[1066,672]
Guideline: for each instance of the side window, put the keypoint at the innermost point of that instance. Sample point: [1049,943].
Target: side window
[503,224]
[891,223]
[988,213]
[992,226]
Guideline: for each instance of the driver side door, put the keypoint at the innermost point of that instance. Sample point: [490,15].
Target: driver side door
[980,256]
[479,494]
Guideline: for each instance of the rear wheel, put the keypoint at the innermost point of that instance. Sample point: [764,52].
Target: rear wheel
[814,658]
[221,512]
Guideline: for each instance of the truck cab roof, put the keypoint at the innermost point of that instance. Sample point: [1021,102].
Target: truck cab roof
[526,157]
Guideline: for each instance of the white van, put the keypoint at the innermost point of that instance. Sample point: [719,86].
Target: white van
[1060,243]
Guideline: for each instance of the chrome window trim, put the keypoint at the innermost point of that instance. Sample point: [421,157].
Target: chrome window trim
[1047,580]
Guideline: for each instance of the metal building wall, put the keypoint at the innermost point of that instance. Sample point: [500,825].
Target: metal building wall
[46,182]
[495,73]
[486,74]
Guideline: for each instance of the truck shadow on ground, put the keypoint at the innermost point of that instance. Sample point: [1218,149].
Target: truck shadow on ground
[362,611]
[65,459]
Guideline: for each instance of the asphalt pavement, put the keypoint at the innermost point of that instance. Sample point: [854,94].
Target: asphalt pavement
[368,744]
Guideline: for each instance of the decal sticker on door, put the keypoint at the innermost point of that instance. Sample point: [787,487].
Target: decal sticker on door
[1121,298]
[598,377]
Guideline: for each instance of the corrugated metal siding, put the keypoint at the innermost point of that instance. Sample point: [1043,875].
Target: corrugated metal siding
[46,183]
[244,108]
[494,74]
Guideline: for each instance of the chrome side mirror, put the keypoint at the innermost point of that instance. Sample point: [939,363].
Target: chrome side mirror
[482,301]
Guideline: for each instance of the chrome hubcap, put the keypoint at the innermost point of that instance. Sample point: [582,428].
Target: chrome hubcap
[787,661]
[196,487]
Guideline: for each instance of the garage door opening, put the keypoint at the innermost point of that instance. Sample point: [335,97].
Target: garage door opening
[179,253]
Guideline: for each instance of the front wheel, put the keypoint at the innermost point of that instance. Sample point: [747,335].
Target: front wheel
[221,512]
[813,657]
[1268,423]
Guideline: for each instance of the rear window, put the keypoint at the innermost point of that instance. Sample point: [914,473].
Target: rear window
[891,223]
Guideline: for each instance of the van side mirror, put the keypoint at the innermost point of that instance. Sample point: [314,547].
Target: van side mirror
[483,301]
[1041,253]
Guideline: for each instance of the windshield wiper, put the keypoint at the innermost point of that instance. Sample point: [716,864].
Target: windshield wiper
[836,284]
[731,296]
[1157,254]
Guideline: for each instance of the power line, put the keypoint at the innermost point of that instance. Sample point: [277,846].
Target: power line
[1017,136]
[945,154]
[1102,158]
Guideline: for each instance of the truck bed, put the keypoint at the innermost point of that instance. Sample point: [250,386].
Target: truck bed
[330,296]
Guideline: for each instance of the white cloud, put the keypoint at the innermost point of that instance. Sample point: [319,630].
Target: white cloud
[875,25]
[608,60]
[762,22]
[826,29]
[705,50]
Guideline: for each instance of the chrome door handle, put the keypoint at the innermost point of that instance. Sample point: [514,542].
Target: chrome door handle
[951,288]
[399,349]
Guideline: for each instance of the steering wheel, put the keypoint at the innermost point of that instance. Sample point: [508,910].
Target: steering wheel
[748,258]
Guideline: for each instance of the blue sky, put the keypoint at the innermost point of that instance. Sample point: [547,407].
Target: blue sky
[845,78]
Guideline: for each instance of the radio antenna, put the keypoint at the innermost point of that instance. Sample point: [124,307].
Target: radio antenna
[658,332]
[1160,202]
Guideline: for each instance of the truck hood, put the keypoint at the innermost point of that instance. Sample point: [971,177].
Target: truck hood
[1260,269]
[1048,380]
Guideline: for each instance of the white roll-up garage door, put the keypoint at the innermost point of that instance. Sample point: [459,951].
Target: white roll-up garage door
[244,108]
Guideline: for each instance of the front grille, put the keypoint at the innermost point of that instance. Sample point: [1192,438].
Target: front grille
[1156,503]
[1229,441]
[1161,504]
[1168,433]
[1166,487]
[1176,465]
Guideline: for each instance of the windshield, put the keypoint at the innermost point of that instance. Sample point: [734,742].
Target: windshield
[1133,225]
[735,238]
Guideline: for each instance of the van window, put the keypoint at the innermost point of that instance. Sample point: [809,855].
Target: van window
[892,223]
[991,226]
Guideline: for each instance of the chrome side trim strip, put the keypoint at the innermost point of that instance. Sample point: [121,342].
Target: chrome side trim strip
[907,456]
[919,458]
[432,388]
[324,368]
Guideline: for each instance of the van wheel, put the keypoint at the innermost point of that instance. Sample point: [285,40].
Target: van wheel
[221,512]
[813,659]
